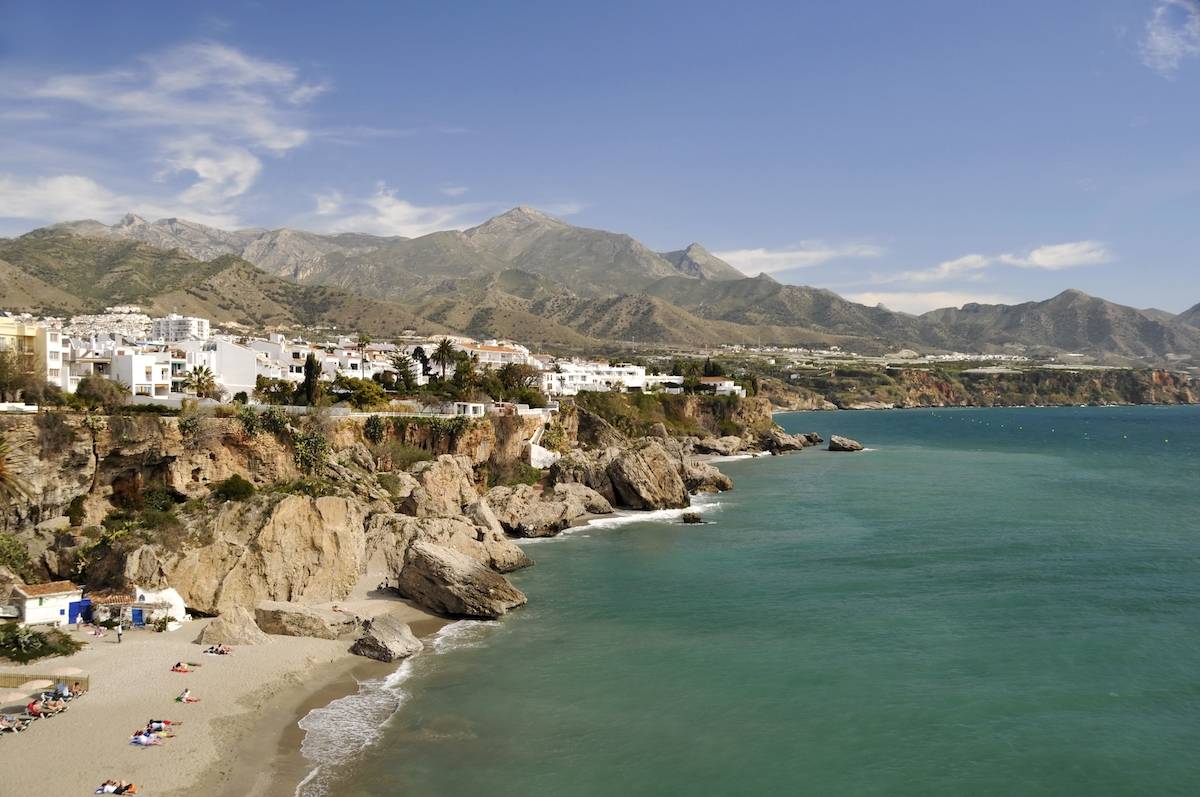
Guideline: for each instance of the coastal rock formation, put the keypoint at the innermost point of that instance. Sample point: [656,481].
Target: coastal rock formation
[450,582]
[722,446]
[644,476]
[296,548]
[596,432]
[387,638]
[391,535]
[701,477]
[587,468]
[812,439]
[527,511]
[233,627]
[443,487]
[837,443]
[778,441]
[293,619]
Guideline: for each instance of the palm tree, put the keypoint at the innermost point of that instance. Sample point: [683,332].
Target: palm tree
[443,355]
[12,486]
[364,340]
[200,380]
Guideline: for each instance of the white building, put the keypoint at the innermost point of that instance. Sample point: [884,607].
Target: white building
[722,386]
[569,378]
[494,354]
[145,373]
[234,366]
[56,603]
[175,327]
[126,320]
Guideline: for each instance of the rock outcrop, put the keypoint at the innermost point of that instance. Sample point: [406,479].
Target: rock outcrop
[233,627]
[701,477]
[837,443]
[452,583]
[292,549]
[778,441]
[293,619]
[387,638]
[722,446]
[644,476]
[389,537]
[443,487]
[527,511]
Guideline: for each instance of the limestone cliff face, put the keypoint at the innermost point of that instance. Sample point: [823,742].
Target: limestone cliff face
[294,548]
[69,455]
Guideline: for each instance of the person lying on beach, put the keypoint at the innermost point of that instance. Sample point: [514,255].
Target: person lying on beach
[218,650]
[44,708]
[77,690]
[116,787]
[144,739]
[161,725]
[186,697]
[184,667]
[10,724]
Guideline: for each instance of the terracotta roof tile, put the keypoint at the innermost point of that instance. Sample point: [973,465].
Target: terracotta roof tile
[42,590]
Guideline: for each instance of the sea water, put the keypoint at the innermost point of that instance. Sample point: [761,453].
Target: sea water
[986,602]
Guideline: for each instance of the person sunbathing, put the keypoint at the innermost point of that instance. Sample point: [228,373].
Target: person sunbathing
[77,690]
[54,704]
[186,697]
[161,725]
[10,724]
[116,787]
[40,708]
[144,739]
[180,667]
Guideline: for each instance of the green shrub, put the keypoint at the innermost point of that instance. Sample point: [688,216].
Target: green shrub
[374,429]
[249,420]
[75,510]
[240,397]
[14,554]
[235,488]
[395,455]
[21,644]
[158,519]
[159,498]
[311,447]
[273,420]
[188,426]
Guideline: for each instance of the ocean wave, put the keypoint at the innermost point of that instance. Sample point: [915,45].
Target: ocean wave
[335,733]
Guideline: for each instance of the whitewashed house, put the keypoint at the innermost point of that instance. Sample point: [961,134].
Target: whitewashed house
[56,603]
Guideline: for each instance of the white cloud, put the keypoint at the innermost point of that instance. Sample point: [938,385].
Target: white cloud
[454,190]
[917,302]
[384,213]
[73,196]
[1051,257]
[805,255]
[1055,257]
[967,267]
[203,110]
[1172,35]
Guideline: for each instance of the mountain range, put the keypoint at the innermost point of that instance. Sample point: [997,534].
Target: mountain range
[527,275]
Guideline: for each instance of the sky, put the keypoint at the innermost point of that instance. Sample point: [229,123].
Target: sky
[919,154]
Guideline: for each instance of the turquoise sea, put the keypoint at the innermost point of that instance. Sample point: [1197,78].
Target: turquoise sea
[987,602]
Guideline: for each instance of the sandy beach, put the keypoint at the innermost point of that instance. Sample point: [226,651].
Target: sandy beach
[240,739]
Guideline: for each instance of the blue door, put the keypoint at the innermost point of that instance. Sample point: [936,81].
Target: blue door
[138,618]
[76,608]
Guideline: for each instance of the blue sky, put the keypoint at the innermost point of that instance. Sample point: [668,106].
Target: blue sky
[919,154]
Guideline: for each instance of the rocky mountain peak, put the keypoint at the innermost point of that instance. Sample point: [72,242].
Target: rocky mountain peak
[131,220]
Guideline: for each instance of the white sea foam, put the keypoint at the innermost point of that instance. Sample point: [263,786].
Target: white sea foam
[335,733]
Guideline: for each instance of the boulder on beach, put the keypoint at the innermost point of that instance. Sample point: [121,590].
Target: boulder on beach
[722,446]
[235,626]
[387,638]
[292,619]
[645,476]
[837,443]
[450,582]
[700,477]
[778,441]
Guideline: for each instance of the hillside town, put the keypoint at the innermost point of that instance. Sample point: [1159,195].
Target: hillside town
[167,360]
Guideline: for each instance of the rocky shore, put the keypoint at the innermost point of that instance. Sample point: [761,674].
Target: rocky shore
[289,556]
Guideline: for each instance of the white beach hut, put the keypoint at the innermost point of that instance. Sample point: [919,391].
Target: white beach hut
[56,603]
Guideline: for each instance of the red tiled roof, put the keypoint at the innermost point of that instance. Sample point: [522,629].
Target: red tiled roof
[712,380]
[42,590]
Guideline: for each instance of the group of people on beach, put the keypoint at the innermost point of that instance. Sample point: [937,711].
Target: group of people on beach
[46,704]
[154,732]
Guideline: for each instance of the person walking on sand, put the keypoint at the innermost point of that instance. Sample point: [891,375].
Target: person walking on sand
[120,632]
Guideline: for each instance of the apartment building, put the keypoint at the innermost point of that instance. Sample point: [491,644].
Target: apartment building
[175,327]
